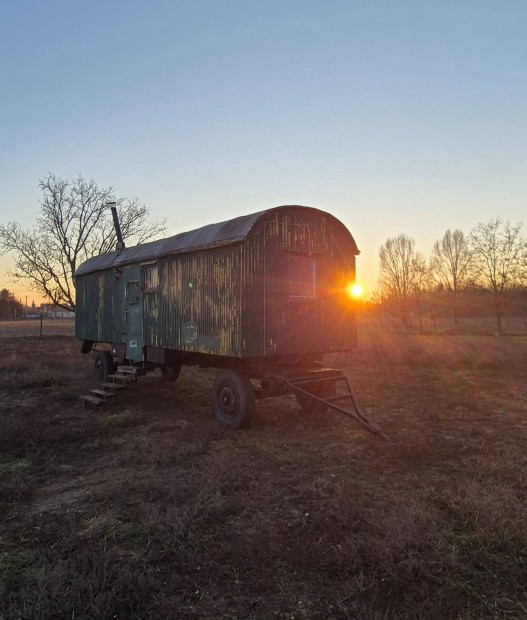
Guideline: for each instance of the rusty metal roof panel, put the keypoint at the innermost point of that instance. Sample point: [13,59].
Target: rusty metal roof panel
[210,236]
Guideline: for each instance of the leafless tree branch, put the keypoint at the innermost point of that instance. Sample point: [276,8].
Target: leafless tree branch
[74,224]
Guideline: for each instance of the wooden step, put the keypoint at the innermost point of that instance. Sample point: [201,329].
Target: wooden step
[123,378]
[93,400]
[113,386]
[127,370]
[131,370]
[102,393]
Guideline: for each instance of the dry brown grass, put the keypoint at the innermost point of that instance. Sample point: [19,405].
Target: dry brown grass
[31,328]
[147,509]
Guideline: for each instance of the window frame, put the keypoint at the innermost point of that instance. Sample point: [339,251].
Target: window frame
[150,278]
[306,287]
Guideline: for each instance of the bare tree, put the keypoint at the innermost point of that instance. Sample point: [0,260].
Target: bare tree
[499,259]
[450,264]
[75,224]
[421,286]
[400,272]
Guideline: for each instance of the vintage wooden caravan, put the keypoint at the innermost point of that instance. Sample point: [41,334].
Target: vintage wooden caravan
[258,297]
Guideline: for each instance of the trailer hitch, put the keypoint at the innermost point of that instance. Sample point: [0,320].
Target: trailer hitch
[306,384]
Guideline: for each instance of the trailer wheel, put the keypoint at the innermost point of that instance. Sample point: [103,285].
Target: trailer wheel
[322,390]
[232,398]
[103,365]
[170,373]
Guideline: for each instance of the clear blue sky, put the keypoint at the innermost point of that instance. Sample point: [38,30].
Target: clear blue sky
[395,116]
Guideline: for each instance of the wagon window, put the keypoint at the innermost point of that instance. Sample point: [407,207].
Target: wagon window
[150,279]
[132,292]
[301,277]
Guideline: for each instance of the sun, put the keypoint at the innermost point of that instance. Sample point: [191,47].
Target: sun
[354,290]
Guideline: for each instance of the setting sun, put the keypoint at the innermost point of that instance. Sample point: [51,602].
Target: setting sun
[354,290]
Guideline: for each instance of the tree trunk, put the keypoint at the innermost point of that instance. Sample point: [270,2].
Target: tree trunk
[497,310]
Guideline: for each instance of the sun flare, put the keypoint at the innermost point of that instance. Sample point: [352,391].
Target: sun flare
[354,290]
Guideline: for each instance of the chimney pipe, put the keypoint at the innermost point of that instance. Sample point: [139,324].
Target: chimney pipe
[120,242]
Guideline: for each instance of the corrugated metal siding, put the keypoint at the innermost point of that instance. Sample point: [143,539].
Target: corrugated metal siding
[234,300]
[252,270]
[99,312]
[291,326]
[198,308]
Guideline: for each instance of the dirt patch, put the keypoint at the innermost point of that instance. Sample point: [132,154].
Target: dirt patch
[148,509]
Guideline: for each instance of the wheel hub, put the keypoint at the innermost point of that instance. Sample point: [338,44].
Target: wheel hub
[228,400]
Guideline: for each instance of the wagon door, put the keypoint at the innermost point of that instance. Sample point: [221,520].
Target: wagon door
[292,304]
[133,313]
[301,328]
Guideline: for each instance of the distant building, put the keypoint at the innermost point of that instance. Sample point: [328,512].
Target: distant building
[55,312]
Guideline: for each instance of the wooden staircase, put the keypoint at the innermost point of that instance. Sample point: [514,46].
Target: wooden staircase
[115,382]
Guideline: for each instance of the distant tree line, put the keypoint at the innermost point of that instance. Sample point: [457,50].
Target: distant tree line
[10,307]
[75,224]
[491,259]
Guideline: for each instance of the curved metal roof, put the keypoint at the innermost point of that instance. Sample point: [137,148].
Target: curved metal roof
[212,235]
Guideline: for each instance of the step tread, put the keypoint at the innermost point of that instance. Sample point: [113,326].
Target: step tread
[113,386]
[132,370]
[125,378]
[102,393]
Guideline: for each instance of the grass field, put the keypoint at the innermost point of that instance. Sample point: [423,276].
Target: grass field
[31,327]
[148,509]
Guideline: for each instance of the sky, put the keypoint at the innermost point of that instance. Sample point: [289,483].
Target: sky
[395,116]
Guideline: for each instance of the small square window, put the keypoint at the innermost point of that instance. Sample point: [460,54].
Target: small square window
[301,272]
[150,279]
[132,292]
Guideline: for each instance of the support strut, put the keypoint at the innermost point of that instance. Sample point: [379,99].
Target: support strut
[348,400]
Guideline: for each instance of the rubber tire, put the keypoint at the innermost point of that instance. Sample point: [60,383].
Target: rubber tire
[170,373]
[103,365]
[232,399]
[322,390]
